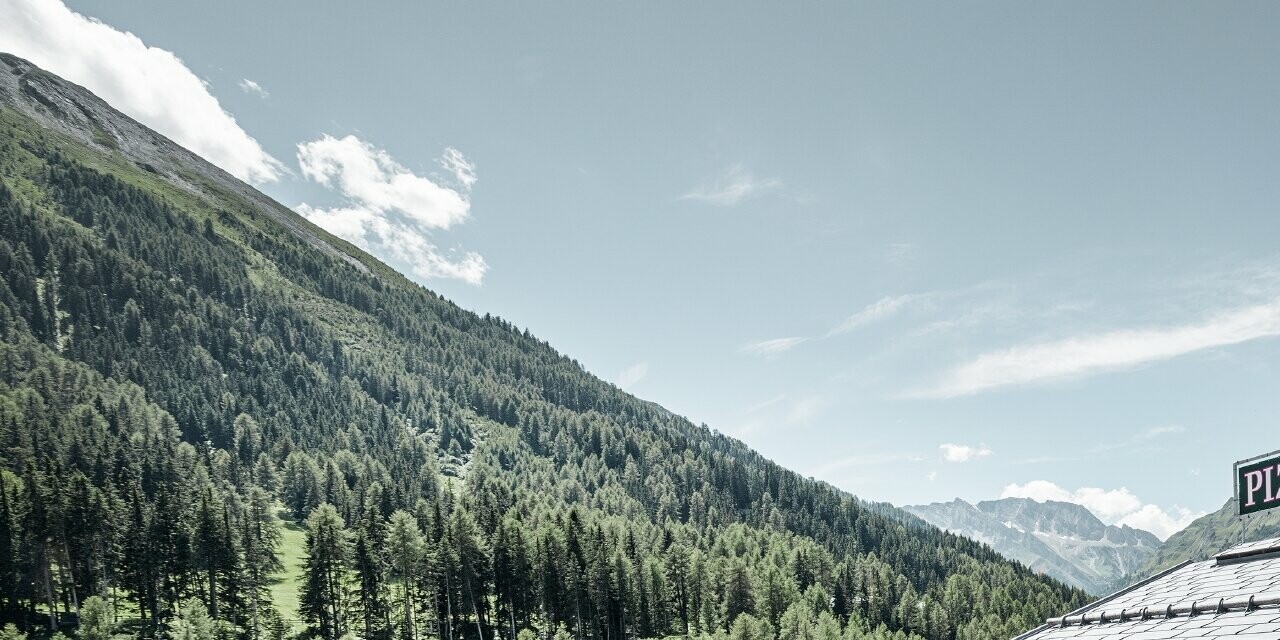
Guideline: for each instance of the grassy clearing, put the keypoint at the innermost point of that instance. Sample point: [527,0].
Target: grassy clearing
[285,585]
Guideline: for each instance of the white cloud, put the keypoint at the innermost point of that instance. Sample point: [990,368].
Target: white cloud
[737,184]
[398,241]
[1107,505]
[391,211]
[1158,521]
[876,311]
[1116,506]
[251,87]
[370,175]
[462,169]
[150,84]
[360,226]
[1091,354]
[1040,490]
[772,347]
[963,452]
[632,374]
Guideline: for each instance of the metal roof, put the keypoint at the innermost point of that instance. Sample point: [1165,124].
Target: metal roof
[1235,594]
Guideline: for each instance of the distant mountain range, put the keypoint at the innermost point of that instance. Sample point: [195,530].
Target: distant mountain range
[1059,539]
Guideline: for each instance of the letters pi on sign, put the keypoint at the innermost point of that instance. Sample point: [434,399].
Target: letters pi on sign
[1257,483]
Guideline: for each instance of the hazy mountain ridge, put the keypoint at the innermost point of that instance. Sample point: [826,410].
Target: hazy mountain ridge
[1208,535]
[1059,539]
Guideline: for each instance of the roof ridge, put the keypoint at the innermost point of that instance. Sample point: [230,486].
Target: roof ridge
[1249,549]
[1193,608]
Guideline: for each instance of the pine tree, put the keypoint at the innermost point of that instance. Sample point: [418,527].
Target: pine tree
[512,571]
[406,551]
[324,589]
[38,529]
[261,537]
[193,622]
[736,591]
[471,564]
[138,567]
[10,563]
[208,548]
[370,566]
[97,619]
[827,627]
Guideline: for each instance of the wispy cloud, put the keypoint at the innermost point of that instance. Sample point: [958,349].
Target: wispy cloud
[632,374]
[772,347]
[1146,439]
[1114,506]
[765,404]
[874,312]
[901,253]
[804,409]
[462,169]
[962,452]
[1103,352]
[735,185]
[783,410]
[825,470]
[389,210]
[148,83]
[251,87]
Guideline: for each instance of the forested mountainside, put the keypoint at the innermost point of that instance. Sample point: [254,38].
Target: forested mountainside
[1208,535]
[180,355]
[1059,539]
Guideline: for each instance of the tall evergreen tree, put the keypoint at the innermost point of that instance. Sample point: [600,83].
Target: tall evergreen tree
[407,552]
[326,574]
[261,537]
[370,564]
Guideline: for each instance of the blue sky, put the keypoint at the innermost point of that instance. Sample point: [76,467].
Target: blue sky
[918,250]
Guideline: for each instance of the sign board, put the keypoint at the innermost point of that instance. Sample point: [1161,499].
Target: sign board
[1258,483]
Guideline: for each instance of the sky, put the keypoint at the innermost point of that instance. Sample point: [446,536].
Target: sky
[917,250]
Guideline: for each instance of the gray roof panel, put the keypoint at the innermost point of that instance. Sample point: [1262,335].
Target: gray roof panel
[1207,599]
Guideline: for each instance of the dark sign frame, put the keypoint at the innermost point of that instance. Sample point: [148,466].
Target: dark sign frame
[1267,484]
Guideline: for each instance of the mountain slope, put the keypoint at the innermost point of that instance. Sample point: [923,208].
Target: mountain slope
[1059,539]
[1208,535]
[178,348]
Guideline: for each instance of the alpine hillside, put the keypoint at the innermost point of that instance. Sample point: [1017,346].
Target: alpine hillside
[219,421]
[1209,534]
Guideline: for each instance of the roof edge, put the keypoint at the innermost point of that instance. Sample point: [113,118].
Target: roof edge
[1105,599]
